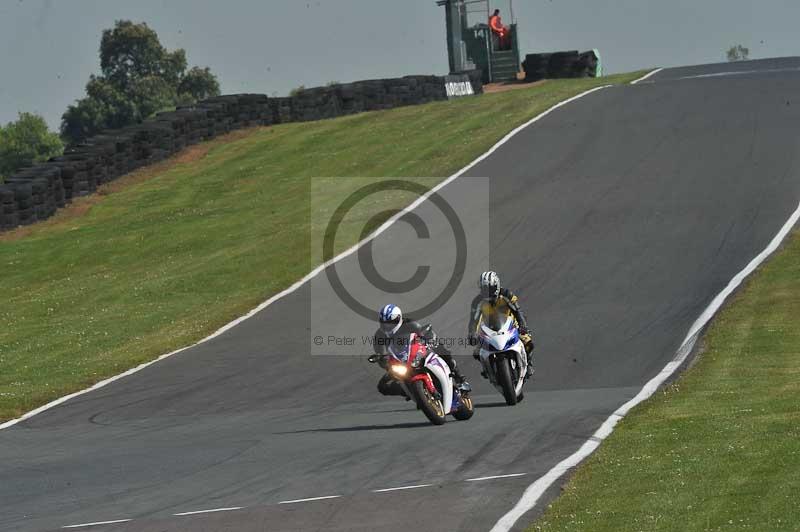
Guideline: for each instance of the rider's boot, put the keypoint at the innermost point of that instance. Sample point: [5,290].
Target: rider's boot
[458,379]
[461,381]
[530,370]
[529,354]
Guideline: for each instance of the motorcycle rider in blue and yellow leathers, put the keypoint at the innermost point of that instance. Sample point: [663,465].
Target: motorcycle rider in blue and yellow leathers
[493,299]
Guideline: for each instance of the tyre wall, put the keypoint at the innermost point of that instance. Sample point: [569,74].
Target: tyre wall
[561,65]
[35,193]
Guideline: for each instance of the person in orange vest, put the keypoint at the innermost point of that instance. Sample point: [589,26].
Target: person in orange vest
[501,31]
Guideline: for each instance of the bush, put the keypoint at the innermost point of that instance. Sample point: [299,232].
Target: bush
[25,142]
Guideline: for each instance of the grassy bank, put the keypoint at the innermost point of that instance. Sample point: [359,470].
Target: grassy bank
[719,449]
[166,256]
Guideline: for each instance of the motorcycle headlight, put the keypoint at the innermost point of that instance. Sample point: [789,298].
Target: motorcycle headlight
[399,370]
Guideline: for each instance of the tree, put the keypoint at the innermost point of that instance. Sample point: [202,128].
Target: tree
[198,84]
[139,77]
[105,107]
[25,142]
[132,51]
[738,53]
[151,94]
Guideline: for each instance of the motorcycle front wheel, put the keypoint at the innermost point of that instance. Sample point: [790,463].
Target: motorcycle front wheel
[506,381]
[430,405]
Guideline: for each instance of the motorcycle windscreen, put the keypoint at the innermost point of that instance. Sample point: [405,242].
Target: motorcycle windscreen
[495,320]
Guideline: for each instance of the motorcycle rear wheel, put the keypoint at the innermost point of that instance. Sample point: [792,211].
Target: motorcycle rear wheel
[430,406]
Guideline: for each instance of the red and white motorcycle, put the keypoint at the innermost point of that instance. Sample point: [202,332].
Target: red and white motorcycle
[427,379]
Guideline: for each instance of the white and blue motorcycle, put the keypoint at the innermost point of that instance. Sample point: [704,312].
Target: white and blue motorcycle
[502,355]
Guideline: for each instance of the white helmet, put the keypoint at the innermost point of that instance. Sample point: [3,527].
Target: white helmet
[391,318]
[489,284]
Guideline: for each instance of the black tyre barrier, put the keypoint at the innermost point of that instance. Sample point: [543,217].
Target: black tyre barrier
[35,193]
[9,217]
[556,65]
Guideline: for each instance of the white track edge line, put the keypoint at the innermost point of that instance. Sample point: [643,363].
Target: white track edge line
[741,73]
[213,510]
[384,490]
[293,501]
[651,73]
[98,523]
[308,276]
[493,477]
[534,491]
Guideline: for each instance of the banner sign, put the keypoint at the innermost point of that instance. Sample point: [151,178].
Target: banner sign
[458,85]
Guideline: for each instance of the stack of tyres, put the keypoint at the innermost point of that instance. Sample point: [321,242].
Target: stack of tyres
[475,79]
[374,92]
[352,97]
[316,104]
[101,149]
[54,189]
[587,65]
[399,92]
[263,112]
[414,90]
[281,110]
[226,113]
[113,151]
[68,172]
[228,106]
[214,123]
[32,194]
[82,185]
[216,118]
[536,66]
[9,218]
[221,109]
[40,200]
[176,123]
[23,196]
[255,109]
[563,64]
[197,125]
[55,185]
[560,65]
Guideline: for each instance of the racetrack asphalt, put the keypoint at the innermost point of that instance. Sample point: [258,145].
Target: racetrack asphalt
[617,218]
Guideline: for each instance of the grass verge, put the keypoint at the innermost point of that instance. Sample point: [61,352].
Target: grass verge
[170,254]
[720,448]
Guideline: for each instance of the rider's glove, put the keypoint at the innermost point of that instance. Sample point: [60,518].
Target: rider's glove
[381,360]
[524,330]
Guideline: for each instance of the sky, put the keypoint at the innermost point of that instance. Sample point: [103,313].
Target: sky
[48,48]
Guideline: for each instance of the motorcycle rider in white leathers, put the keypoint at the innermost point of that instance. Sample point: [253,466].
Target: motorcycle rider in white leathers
[393,329]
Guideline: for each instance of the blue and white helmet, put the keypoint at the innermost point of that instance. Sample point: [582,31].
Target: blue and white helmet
[391,318]
[489,284]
